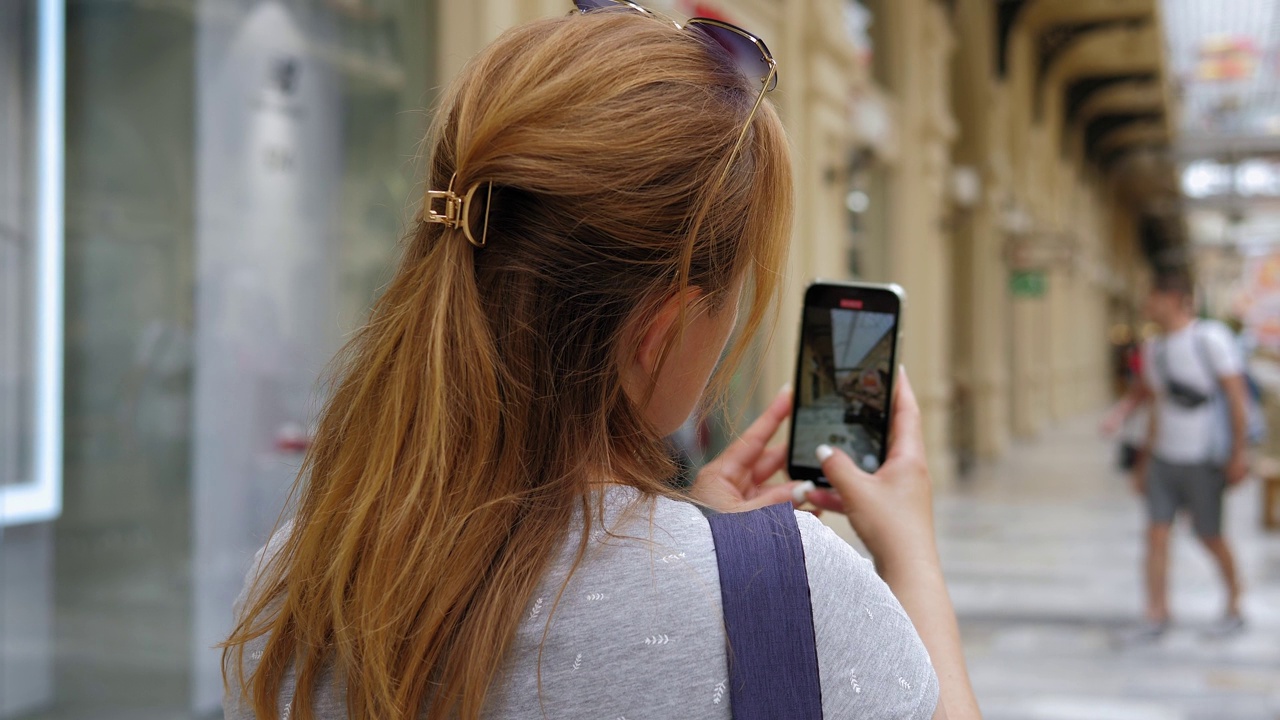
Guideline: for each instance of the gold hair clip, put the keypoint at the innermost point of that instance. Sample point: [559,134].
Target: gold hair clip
[456,210]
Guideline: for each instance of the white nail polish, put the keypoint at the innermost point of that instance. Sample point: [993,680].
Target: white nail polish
[801,491]
[823,452]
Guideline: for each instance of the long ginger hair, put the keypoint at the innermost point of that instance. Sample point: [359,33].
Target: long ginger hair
[471,416]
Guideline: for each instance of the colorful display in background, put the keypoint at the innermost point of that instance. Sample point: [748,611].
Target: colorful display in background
[1261,301]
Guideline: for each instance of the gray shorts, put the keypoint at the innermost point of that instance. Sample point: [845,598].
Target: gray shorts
[1195,488]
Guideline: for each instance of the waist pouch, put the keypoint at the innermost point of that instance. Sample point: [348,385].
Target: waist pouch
[1185,396]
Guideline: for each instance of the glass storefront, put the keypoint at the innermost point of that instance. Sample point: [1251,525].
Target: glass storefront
[238,176]
[17,240]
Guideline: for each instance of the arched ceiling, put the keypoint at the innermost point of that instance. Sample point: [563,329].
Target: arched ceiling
[1132,133]
[1122,96]
[1124,51]
[1096,61]
[1101,88]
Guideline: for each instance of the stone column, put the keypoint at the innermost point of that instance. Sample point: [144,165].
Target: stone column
[990,365]
[981,102]
[919,249]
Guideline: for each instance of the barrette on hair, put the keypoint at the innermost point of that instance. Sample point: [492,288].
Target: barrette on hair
[456,210]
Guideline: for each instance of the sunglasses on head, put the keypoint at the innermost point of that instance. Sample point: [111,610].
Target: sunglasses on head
[749,53]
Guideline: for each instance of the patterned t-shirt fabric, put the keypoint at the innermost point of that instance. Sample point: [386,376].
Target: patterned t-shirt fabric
[637,630]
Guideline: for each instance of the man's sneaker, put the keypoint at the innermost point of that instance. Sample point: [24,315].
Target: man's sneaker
[1146,632]
[1226,627]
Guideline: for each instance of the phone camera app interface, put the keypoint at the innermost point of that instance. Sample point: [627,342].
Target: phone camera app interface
[842,394]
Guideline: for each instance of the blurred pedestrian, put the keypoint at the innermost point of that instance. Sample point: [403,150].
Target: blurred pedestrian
[485,526]
[1195,448]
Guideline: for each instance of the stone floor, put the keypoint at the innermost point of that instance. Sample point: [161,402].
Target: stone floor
[1042,552]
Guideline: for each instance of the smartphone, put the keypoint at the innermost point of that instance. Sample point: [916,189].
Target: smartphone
[845,372]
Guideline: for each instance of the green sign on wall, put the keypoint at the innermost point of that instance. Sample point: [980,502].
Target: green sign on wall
[1028,283]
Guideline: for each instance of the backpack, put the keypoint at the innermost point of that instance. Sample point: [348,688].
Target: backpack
[1190,397]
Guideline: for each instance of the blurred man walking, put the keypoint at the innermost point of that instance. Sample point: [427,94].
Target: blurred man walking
[1195,449]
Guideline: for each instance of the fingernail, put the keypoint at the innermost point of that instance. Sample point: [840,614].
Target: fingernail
[801,491]
[786,387]
[823,452]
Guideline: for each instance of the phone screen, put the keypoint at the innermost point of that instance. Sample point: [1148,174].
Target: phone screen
[844,375]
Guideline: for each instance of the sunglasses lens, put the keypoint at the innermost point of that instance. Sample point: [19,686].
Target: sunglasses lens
[589,5]
[746,55]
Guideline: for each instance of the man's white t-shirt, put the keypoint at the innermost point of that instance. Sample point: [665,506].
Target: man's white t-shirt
[1197,356]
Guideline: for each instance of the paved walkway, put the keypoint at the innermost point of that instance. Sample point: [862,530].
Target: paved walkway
[1042,551]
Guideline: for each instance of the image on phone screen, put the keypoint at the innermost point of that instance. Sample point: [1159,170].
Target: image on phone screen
[843,383]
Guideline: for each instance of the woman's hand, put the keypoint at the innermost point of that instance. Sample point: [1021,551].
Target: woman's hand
[892,510]
[734,481]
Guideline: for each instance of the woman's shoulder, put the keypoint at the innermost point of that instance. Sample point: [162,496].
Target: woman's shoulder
[632,625]
[829,560]
[825,551]
[871,660]
[867,646]
[266,555]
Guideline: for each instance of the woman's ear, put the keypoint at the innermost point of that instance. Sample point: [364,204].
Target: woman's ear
[667,371]
[654,331]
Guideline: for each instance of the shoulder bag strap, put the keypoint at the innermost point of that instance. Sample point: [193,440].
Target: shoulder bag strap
[764,588]
[1215,382]
[1160,349]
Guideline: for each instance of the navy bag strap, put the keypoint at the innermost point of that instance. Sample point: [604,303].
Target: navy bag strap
[764,588]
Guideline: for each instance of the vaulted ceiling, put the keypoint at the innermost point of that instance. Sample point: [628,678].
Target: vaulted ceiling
[1100,71]
[1101,78]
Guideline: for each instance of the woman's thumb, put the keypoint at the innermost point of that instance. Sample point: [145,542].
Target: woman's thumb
[839,469]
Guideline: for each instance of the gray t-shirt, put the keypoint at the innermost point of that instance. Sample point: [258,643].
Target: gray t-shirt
[638,631]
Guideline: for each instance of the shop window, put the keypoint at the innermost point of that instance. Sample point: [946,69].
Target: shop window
[30,259]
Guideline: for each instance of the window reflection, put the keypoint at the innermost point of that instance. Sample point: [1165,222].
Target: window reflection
[17,240]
